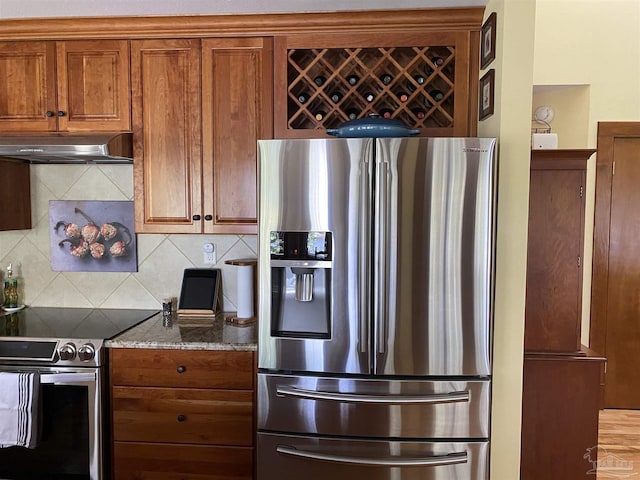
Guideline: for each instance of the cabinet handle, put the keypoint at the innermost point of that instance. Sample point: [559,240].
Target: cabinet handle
[181,418]
[61,113]
[181,369]
[208,217]
[49,113]
[196,217]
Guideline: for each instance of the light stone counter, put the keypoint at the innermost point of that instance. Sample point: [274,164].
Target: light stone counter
[185,334]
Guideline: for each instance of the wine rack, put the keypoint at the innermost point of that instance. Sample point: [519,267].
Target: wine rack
[328,86]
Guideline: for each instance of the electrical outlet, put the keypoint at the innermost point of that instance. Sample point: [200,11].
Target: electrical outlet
[209,252]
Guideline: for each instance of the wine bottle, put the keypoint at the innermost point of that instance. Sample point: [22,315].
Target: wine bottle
[336,96]
[386,78]
[419,113]
[369,96]
[437,61]
[303,97]
[319,80]
[386,113]
[420,80]
[320,115]
[402,96]
[437,95]
[353,79]
[352,113]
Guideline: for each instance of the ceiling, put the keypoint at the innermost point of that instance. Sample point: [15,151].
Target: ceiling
[84,8]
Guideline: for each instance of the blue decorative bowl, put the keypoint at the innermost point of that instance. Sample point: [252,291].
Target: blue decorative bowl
[372,127]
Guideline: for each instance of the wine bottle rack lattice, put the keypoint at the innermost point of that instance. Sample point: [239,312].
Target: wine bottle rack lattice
[328,86]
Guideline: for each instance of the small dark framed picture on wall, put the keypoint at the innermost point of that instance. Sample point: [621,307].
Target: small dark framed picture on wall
[488,41]
[487,89]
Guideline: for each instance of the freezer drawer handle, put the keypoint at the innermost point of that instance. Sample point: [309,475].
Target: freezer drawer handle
[355,398]
[437,461]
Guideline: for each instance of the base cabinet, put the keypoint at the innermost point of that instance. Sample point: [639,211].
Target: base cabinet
[182,414]
[560,407]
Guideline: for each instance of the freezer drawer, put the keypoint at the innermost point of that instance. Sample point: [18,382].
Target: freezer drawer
[374,408]
[348,459]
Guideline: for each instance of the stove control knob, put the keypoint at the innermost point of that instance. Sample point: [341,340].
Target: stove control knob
[86,352]
[67,351]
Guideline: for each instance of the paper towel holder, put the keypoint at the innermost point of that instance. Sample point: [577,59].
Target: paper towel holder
[245,314]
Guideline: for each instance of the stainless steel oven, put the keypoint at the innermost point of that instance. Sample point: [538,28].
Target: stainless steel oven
[72,442]
[65,346]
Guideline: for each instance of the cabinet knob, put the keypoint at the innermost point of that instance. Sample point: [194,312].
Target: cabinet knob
[196,217]
[181,418]
[181,369]
[61,113]
[208,217]
[49,113]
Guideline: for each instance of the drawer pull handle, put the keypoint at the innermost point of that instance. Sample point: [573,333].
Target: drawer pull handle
[181,369]
[181,418]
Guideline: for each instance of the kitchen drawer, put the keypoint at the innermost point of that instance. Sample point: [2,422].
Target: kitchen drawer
[152,461]
[182,368]
[350,459]
[374,407]
[182,415]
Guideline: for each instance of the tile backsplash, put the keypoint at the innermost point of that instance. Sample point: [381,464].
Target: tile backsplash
[161,258]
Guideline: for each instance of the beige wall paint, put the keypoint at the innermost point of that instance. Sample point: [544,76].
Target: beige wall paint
[511,124]
[594,43]
[570,104]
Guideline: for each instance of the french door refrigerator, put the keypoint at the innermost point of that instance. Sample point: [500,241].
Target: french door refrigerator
[375,308]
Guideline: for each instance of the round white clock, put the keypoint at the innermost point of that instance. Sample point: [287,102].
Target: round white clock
[543,115]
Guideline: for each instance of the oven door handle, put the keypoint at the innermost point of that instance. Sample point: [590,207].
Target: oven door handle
[435,461]
[67,378]
[288,391]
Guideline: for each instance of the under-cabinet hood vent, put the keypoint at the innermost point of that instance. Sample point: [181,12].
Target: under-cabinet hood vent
[107,147]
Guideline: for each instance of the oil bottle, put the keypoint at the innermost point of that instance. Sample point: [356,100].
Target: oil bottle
[10,289]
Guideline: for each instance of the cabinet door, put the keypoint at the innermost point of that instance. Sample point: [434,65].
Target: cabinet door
[554,263]
[165,77]
[27,86]
[236,98]
[15,195]
[93,85]
[560,397]
[181,462]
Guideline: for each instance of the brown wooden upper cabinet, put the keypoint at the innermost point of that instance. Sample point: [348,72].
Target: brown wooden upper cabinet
[65,86]
[427,80]
[198,108]
[555,249]
[15,195]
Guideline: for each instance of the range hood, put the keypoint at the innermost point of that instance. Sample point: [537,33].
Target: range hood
[104,147]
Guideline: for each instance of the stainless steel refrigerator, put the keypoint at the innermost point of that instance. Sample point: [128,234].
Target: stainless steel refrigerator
[375,308]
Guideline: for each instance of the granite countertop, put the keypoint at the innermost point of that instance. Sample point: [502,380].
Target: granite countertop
[187,334]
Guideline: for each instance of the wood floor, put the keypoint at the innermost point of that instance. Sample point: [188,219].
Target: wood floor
[618,444]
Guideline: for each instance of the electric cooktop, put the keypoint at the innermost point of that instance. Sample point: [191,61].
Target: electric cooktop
[53,322]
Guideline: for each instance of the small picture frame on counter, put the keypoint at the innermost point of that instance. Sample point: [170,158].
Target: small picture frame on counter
[200,293]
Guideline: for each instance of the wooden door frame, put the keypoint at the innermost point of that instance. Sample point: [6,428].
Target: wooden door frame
[607,133]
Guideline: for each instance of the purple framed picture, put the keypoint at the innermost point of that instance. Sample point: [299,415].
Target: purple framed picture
[92,236]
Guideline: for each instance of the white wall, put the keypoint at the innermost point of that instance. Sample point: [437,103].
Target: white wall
[594,43]
[511,124]
[89,8]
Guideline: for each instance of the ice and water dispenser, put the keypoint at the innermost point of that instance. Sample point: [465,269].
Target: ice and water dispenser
[301,265]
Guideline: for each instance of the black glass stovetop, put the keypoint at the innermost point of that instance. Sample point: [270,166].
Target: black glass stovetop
[70,323]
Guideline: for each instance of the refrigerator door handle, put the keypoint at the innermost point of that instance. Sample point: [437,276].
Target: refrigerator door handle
[382,255]
[437,398]
[364,267]
[435,461]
